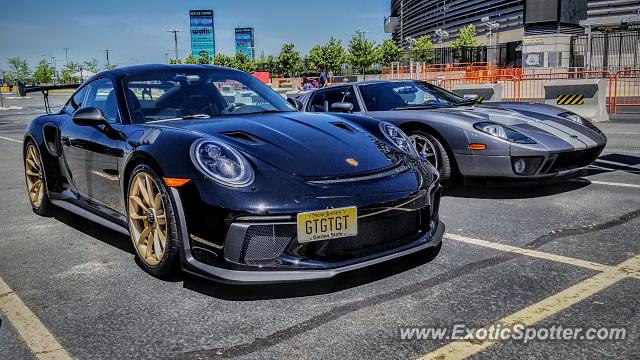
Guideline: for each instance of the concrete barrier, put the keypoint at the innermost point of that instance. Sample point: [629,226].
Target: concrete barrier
[587,98]
[485,92]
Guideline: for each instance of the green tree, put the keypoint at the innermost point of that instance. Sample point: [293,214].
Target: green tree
[334,54]
[19,69]
[224,60]
[289,60]
[43,73]
[91,65]
[423,50]
[243,62]
[66,74]
[466,37]
[390,52]
[362,52]
[191,60]
[205,60]
[174,61]
[314,58]
[268,63]
[110,66]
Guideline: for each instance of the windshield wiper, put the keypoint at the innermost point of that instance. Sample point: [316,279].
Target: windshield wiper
[418,107]
[196,116]
[465,103]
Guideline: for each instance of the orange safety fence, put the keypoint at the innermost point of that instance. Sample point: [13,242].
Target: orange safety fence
[626,88]
[532,85]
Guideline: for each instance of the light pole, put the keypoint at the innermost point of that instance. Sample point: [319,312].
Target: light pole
[166,58]
[490,25]
[107,53]
[66,56]
[175,40]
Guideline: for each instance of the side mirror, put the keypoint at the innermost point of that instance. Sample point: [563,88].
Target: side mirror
[472,97]
[342,107]
[296,103]
[90,116]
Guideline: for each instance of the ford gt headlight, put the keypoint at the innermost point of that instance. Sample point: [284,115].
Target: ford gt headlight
[398,138]
[221,163]
[503,132]
[574,117]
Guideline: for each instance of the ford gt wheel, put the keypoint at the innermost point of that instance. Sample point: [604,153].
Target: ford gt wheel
[152,222]
[433,151]
[34,174]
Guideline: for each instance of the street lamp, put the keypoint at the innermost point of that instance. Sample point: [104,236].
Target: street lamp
[442,35]
[175,40]
[490,25]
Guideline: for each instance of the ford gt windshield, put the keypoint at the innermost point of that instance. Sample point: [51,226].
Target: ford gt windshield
[198,94]
[408,95]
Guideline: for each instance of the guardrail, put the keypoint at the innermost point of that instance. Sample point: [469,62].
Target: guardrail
[626,89]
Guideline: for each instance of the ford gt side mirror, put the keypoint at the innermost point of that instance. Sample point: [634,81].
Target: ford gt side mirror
[342,107]
[296,103]
[89,116]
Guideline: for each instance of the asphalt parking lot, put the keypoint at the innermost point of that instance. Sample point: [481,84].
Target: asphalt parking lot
[565,254]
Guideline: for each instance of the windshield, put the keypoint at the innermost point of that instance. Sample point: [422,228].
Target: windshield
[171,94]
[407,94]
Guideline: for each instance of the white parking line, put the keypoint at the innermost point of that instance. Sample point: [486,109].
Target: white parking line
[542,310]
[532,253]
[10,139]
[614,184]
[33,333]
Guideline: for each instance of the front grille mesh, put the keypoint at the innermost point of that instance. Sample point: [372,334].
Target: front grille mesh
[263,244]
[575,159]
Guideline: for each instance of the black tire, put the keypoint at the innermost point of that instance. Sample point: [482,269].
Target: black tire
[169,264]
[43,207]
[444,165]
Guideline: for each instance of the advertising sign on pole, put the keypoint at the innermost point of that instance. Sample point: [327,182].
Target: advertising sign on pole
[202,33]
[245,42]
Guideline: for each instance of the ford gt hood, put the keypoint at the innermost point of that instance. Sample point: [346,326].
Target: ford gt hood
[302,144]
[544,128]
[538,126]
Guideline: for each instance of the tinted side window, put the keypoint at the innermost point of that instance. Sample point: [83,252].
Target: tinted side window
[323,99]
[76,101]
[103,96]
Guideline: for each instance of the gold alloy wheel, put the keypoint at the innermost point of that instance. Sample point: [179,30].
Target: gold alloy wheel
[147,219]
[33,173]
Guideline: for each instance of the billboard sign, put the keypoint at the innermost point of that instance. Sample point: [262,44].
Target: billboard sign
[202,33]
[245,42]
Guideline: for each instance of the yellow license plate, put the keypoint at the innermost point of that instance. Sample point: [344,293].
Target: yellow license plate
[327,224]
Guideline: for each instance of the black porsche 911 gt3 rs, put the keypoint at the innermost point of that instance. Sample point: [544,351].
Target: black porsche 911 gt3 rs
[208,168]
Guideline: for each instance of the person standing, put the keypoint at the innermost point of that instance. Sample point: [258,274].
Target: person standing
[323,79]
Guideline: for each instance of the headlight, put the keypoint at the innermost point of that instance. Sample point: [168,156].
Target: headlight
[398,138]
[503,132]
[221,163]
[574,117]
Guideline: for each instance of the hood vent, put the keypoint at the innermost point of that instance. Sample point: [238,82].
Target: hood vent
[344,126]
[241,136]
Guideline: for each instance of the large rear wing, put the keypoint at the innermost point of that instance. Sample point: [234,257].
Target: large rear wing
[24,90]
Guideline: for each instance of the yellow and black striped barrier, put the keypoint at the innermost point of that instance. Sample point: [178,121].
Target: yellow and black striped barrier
[570,100]
[480,100]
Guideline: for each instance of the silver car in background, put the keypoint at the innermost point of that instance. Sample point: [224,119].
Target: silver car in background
[515,141]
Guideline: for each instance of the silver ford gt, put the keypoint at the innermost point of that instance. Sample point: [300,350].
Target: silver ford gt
[522,141]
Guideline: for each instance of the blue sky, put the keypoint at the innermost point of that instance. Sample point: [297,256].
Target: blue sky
[135,30]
